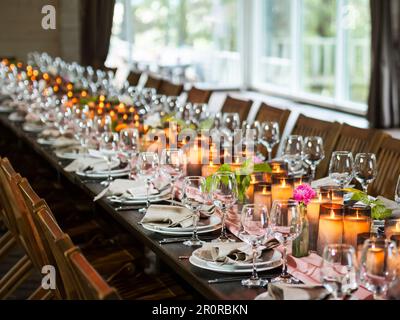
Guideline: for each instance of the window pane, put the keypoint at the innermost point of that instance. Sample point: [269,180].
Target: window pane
[357,22]
[276,50]
[319,47]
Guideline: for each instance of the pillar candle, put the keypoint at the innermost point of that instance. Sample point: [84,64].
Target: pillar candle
[313,210]
[209,170]
[392,227]
[358,221]
[375,261]
[330,230]
[263,197]
[282,190]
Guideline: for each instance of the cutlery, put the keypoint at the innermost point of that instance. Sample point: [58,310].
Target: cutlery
[239,278]
[177,240]
[128,208]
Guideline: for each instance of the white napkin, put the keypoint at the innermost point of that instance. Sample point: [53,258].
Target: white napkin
[130,188]
[82,164]
[280,291]
[164,215]
[62,142]
[323,182]
[392,205]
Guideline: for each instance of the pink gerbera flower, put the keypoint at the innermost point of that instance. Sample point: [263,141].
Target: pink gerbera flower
[304,193]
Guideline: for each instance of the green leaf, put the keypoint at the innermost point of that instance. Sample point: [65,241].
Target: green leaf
[380,212]
[262,167]
[206,124]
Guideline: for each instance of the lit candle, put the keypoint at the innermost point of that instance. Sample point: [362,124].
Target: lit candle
[375,261]
[250,189]
[278,167]
[330,230]
[236,164]
[263,197]
[209,170]
[313,209]
[358,221]
[392,227]
[282,191]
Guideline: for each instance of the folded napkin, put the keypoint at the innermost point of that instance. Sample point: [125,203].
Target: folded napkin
[32,118]
[86,163]
[392,205]
[128,188]
[62,142]
[323,182]
[280,291]
[232,252]
[172,216]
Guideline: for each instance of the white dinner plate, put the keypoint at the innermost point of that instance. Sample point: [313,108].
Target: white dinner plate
[70,153]
[179,233]
[15,117]
[33,127]
[117,173]
[273,263]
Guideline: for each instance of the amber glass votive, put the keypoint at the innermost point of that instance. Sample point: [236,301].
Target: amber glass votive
[335,194]
[263,195]
[392,227]
[357,220]
[279,167]
[282,188]
[297,181]
[330,229]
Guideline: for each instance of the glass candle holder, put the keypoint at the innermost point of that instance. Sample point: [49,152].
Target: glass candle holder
[313,212]
[282,188]
[357,220]
[297,181]
[335,194]
[279,167]
[392,227]
[255,179]
[330,229]
[396,239]
[263,194]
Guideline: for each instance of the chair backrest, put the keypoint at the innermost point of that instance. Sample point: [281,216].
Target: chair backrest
[92,285]
[198,95]
[359,140]
[242,107]
[169,89]
[134,78]
[59,243]
[388,157]
[152,82]
[268,113]
[328,131]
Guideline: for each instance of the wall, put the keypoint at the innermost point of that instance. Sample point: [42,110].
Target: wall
[21,30]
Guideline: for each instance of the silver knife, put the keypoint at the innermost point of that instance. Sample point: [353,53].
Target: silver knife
[128,208]
[234,279]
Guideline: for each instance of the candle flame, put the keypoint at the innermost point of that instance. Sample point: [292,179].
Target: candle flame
[332,214]
[398,226]
[264,190]
[283,183]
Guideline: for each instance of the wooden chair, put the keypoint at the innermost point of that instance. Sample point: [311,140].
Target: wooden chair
[241,107]
[169,89]
[134,78]
[388,157]
[268,113]
[198,95]
[153,82]
[328,131]
[359,140]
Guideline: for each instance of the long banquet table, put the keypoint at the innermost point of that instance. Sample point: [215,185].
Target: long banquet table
[168,253]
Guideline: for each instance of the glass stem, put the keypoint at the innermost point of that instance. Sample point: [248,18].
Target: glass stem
[172,190]
[254,275]
[269,153]
[109,170]
[223,227]
[147,193]
[313,171]
[365,187]
[195,221]
[284,258]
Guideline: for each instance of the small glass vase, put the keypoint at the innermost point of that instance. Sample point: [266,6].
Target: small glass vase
[300,246]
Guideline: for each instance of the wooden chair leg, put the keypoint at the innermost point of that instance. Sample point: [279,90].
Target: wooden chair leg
[7,242]
[15,276]
[41,294]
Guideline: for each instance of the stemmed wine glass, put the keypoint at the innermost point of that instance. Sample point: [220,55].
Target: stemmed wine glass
[148,164]
[341,167]
[270,136]
[172,163]
[397,192]
[293,152]
[224,192]
[365,169]
[313,152]
[285,224]
[129,144]
[108,148]
[193,198]
[254,230]
[378,267]
[339,270]
[231,121]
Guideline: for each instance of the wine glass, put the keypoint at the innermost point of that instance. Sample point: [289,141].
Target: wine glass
[254,230]
[285,224]
[292,153]
[397,192]
[193,198]
[365,169]
[341,167]
[108,148]
[172,163]
[129,141]
[378,268]
[148,164]
[339,270]
[270,136]
[102,124]
[224,192]
[231,121]
[313,152]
